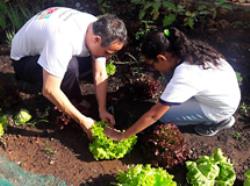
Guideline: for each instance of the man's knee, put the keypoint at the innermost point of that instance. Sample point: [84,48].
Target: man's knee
[27,69]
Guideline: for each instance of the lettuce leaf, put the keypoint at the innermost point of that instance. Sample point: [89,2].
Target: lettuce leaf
[22,117]
[110,68]
[247,178]
[3,124]
[103,147]
[140,175]
[211,170]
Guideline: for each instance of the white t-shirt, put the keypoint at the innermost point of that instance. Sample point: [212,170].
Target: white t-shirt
[216,89]
[56,34]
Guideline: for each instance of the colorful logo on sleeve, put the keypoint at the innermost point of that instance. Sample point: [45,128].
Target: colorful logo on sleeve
[46,13]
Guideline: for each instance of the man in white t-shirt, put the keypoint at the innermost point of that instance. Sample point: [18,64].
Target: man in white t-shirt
[52,49]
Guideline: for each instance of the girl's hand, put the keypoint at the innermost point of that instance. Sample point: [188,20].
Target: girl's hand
[114,134]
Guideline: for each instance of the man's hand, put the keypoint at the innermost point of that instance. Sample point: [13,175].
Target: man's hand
[88,124]
[114,134]
[107,117]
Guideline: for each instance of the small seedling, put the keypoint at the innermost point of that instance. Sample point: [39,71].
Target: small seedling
[244,109]
[22,117]
[48,150]
[237,135]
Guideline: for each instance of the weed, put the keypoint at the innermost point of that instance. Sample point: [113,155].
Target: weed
[48,150]
[104,6]
[188,13]
[244,109]
[239,78]
[237,135]
[145,27]
[9,37]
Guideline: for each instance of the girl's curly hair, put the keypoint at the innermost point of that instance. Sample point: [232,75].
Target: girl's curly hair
[194,51]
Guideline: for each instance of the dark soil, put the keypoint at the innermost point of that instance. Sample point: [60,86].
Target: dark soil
[46,149]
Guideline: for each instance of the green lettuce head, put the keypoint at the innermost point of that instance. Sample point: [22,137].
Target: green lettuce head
[110,68]
[22,117]
[247,178]
[140,175]
[211,170]
[103,147]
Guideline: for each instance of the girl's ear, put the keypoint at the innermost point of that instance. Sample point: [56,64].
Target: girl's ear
[161,58]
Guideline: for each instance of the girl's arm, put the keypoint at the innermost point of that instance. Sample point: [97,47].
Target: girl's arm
[149,118]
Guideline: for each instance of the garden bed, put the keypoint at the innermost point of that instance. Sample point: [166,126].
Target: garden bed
[48,150]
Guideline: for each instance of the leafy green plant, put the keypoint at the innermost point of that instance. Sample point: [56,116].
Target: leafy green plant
[237,135]
[146,26]
[104,5]
[140,175]
[165,146]
[244,109]
[103,147]
[153,9]
[247,178]
[14,13]
[239,78]
[170,11]
[48,150]
[223,4]
[16,16]
[111,68]
[9,37]
[211,170]
[3,124]
[22,117]
[3,12]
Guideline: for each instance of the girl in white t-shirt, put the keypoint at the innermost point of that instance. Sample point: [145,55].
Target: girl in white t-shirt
[203,90]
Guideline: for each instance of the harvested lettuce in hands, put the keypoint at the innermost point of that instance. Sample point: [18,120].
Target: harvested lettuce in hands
[3,124]
[103,147]
[247,178]
[140,175]
[110,68]
[22,117]
[211,170]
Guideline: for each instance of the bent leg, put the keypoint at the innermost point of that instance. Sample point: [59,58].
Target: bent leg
[28,70]
[187,113]
[77,67]
[70,83]
[85,67]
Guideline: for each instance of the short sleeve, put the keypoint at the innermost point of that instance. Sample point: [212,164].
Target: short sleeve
[183,85]
[101,60]
[56,56]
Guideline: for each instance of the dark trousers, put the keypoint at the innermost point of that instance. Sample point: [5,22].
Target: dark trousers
[27,69]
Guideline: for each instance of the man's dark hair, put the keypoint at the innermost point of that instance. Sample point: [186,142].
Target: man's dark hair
[177,43]
[110,28]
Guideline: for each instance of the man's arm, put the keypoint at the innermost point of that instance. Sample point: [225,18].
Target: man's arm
[149,118]
[101,84]
[52,91]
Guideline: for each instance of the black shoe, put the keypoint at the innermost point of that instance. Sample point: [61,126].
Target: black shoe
[211,130]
